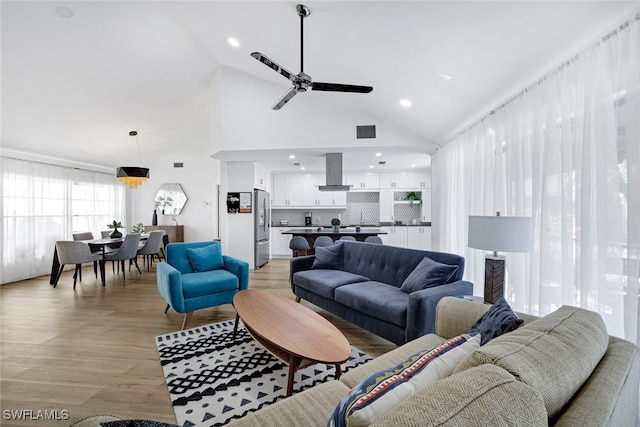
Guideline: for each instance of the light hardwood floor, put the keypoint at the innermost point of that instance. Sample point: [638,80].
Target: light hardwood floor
[93,351]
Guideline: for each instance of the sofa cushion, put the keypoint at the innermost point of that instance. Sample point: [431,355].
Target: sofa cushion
[206,258]
[389,387]
[386,302]
[499,320]
[426,274]
[328,257]
[390,264]
[324,282]
[483,396]
[555,354]
[199,284]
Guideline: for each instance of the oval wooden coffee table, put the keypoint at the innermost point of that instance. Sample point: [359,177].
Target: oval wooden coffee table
[291,332]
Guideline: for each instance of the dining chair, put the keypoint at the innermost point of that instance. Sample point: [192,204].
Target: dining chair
[105,233]
[163,249]
[351,238]
[128,251]
[299,246]
[87,235]
[151,247]
[373,239]
[322,241]
[74,253]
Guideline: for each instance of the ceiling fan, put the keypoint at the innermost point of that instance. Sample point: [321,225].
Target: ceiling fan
[302,81]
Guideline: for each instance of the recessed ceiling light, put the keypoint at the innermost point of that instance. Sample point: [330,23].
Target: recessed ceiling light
[413,166]
[233,42]
[292,156]
[378,154]
[63,12]
[301,168]
[445,77]
[406,103]
[370,166]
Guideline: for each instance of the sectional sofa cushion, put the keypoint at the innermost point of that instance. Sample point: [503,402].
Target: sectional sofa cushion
[499,320]
[575,339]
[389,387]
[482,396]
[328,257]
[206,258]
[426,274]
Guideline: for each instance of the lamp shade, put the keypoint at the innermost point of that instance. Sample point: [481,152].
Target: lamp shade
[500,233]
[132,176]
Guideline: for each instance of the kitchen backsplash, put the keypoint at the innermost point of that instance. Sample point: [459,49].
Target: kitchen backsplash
[362,208]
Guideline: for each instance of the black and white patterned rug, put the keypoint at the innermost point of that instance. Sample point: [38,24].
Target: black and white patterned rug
[213,380]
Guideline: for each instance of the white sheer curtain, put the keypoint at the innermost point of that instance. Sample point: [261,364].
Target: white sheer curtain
[565,151]
[43,203]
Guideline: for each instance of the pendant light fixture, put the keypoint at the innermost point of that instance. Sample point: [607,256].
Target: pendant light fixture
[133,176]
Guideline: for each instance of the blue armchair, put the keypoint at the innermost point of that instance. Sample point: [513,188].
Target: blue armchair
[196,275]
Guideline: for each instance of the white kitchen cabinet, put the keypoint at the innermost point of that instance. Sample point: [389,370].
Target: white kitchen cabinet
[301,191]
[280,243]
[287,190]
[393,180]
[386,205]
[396,236]
[363,180]
[426,206]
[418,180]
[419,238]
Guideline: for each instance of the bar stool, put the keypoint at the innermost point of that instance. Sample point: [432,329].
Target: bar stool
[322,241]
[351,238]
[299,246]
[373,239]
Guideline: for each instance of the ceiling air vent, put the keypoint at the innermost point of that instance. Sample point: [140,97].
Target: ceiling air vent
[178,165]
[368,131]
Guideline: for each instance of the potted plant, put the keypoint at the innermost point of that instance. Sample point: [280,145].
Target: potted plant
[138,228]
[115,234]
[413,197]
[335,222]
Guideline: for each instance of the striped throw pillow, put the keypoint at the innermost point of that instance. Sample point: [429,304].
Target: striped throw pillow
[386,389]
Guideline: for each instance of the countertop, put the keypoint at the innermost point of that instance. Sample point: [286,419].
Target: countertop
[423,224]
[319,231]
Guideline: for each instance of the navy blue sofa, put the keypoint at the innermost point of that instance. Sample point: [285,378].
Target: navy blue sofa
[366,288]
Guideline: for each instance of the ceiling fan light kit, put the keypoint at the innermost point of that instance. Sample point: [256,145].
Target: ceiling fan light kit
[301,81]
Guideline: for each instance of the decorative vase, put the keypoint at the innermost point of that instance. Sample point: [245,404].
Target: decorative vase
[115,234]
[336,228]
[154,220]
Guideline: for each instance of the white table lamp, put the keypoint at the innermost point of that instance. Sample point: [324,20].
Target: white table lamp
[498,234]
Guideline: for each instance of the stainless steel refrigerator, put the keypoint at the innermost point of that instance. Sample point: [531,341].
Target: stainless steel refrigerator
[262,227]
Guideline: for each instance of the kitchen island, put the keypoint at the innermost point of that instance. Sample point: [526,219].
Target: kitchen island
[311,233]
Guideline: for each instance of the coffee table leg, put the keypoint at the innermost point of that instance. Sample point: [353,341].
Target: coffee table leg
[338,370]
[294,362]
[235,327]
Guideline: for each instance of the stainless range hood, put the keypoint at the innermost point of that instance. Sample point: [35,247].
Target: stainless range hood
[334,174]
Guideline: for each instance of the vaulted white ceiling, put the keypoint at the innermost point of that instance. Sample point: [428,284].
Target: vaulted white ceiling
[73,87]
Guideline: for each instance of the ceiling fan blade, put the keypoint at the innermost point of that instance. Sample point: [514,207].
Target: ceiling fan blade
[287,96]
[337,87]
[274,66]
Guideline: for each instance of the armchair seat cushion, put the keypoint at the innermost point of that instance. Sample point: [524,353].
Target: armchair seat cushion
[325,282]
[388,302]
[209,282]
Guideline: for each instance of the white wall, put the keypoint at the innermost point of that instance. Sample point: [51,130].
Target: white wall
[309,120]
[199,179]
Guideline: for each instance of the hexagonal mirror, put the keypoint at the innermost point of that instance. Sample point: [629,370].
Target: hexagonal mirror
[170,199]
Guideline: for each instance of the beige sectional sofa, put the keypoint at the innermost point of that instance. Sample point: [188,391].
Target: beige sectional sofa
[562,369]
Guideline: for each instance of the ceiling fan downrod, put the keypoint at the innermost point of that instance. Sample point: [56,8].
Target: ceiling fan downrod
[303,12]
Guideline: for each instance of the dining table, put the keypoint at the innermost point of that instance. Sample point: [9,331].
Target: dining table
[96,245]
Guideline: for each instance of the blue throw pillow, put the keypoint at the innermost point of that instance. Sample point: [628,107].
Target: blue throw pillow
[426,274]
[328,257]
[499,320]
[206,258]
